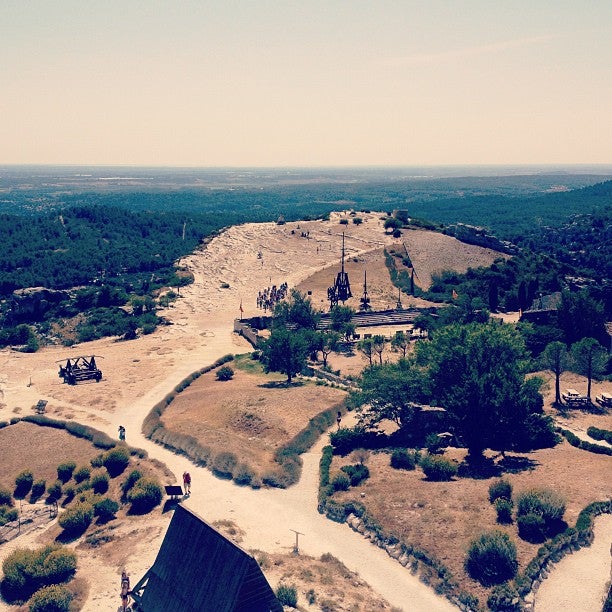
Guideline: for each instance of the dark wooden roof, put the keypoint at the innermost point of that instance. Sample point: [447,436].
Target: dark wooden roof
[198,569]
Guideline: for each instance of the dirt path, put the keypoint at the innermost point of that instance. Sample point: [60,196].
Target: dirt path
[138,373]
[578,582]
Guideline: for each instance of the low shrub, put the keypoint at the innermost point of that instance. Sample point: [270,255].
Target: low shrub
[133,477]
[503,508]
[434,443]
[116,460]
[23,484]
[504,598]
[500,489]
[53,598]
[341,482]
[105,509]
[99,481]
[531,527]
[403,459]
[97,461]
[287,595]
[491,558]
[54,492]
[69,493]
[356,473]
[243,474]
[600,434]
[83,486]
[7,514]
[26,570]
[547,504]
[324,465]
[347,439]
[6,497]
[225,373]
[224,464]
[65,470]
[438,468]
[77,518]
[38,490]
[574,440]
[82,473]
[144,495]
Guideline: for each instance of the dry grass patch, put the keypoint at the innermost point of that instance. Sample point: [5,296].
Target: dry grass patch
[39,449]
[443,517]
[322,584]
[251,416]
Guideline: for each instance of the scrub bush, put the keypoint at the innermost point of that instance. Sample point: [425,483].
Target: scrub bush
[491,558]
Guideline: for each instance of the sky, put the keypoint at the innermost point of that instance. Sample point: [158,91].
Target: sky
[305,83]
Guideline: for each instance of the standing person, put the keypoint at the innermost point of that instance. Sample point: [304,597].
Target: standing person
[187,482]
[121,432]
[339,419]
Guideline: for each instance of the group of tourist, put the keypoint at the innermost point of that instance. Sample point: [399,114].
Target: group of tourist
[270,296]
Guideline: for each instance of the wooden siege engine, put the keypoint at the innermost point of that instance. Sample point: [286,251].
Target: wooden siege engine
[80,368]
[341,290]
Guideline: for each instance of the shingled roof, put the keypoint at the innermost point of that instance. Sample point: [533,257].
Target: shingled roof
[197,569]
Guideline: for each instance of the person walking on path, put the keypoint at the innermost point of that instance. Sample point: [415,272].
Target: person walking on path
[187,482]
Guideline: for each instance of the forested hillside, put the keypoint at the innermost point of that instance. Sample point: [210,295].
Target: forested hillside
[73,247]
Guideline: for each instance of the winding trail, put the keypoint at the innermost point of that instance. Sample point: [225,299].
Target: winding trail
[139,373]
[268,515]
[578,582]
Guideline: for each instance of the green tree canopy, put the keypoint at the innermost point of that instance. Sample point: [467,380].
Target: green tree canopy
[589,359]
[477,374]
[580,316]
[392,391]
[285,351]
[555,358]
[296,311]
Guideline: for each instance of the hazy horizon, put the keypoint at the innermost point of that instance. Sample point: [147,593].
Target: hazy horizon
[306,85]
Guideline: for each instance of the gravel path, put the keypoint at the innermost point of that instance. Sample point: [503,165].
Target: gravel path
[578,582]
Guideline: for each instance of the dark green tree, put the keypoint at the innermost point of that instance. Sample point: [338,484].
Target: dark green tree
[391,392]
[341,320]
[400,343]
[366,348]
[477,373]
[555,358]
[378,346]
[285,351]
[297,311]
[580,316]
[327,343]
[589,359]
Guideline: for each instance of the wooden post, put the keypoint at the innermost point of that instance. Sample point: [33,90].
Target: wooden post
[296,549]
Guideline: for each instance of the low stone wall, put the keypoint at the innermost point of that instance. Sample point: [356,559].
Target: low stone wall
[322,374]
[246,331]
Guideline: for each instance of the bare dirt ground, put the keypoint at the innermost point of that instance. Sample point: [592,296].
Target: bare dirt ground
[250,415]
[40,450]
[139,373]
[432,514]
[105,549]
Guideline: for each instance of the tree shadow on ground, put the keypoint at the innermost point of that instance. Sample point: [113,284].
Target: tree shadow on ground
[515,464]
[281,384]
[479,468]
[67,537]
